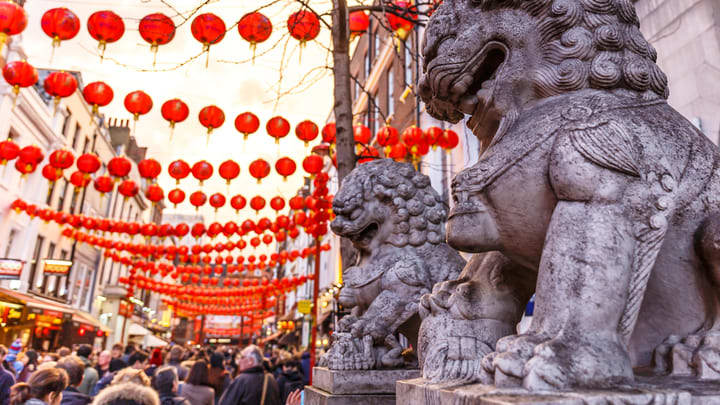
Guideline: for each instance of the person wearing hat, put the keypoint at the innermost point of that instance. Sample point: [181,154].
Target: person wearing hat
[12,356]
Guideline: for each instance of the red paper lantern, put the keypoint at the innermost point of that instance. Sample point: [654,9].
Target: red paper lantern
[88,163]
[138,103]
[176,196]
[297,202]
[60,24]
[79,180]
[31,155]
[51,174]
[208,29]
[255,28]
[328,133]
[359,22]
[103,184]
[277,203]
[60,84]
[259,169]
[247,123]
[119,166]
[149,169]
[277,127]
[24,168]
[98,94]
[128,189]
[154,193]
[178,170]
[202,171]
[285,167]
[367,154]
[13,20]
[238,202]
[217,200]
[303,25]
[156,29]
[105,27]
[448,140]
[211,117]
[306,131]
[174,111]
[432,135]
[61,159]
[398,152]
[402,26]
[19,74]
[313,164]
[229,170]
[362,134]
[9,150]
[257,203]
[198,199]
[387,137]
[181,230]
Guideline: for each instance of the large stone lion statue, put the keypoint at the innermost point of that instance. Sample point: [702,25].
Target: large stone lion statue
[600,197]
[396,221]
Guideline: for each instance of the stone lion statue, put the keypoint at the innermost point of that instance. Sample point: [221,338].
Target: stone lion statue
[396,221]
[596,194]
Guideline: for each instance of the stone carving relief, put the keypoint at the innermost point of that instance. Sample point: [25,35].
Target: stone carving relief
[590,191]
[396,221]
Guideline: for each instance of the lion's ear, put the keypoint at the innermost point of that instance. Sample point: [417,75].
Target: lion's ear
[609,145]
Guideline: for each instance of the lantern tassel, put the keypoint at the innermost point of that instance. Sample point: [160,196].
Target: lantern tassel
[52,51]
[3,40]
[101,46]
[154,49]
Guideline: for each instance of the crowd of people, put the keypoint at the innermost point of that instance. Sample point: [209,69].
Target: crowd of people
[127,375]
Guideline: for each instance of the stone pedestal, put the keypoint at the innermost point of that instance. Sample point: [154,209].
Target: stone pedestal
[366,387]
[646,390]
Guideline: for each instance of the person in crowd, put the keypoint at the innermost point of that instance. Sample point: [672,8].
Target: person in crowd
[46,365]
[84,352]
[127,394]
[131,375]
[7,380]
[218,376]
[117,350]
[115,366]
[129,350]
[45,387]
[253,385]
[50,357]
[12,357]
[295,398]
[62,352]
[75,369]
[138,360]
[305,366]
[166,383]
[196,388]
[5,365]
[290,378]
[29,361]
[174,360]
[103,363]
[156,361]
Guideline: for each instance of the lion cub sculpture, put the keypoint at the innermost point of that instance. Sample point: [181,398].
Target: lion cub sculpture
[396,221]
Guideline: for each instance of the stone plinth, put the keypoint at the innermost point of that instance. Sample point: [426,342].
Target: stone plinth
[646,390]
[363,387]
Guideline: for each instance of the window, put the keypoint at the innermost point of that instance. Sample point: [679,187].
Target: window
[87,145]
[43,285]
[63,254]
[73,202]
[367,65]
[35,261]
[390,91]
[51,189]
[78,129]
[11,238]
[356,89]
[61,197]
[66,123]
[408,65]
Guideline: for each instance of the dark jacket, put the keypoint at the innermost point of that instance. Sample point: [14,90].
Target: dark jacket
[247,389]
[6,381]
[219,379]
[289,382]
[305,366]
[171,399]
[71,396]
[102,383]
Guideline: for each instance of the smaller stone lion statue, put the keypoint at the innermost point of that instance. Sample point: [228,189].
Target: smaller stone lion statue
[396,221]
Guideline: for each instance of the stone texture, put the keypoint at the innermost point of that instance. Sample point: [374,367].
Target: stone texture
[360,381]
[647,390]
[396,221]
[590,188]
[314,396]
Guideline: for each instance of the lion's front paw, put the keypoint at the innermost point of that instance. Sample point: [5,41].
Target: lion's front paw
[350,353]
[507,363]
[571,362]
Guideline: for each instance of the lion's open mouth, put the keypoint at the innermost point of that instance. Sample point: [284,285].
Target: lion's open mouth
[364,237]
[477,82]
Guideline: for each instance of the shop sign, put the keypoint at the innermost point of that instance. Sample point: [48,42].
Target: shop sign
[126,309]
[52,267]
[304,306]
[10,269]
